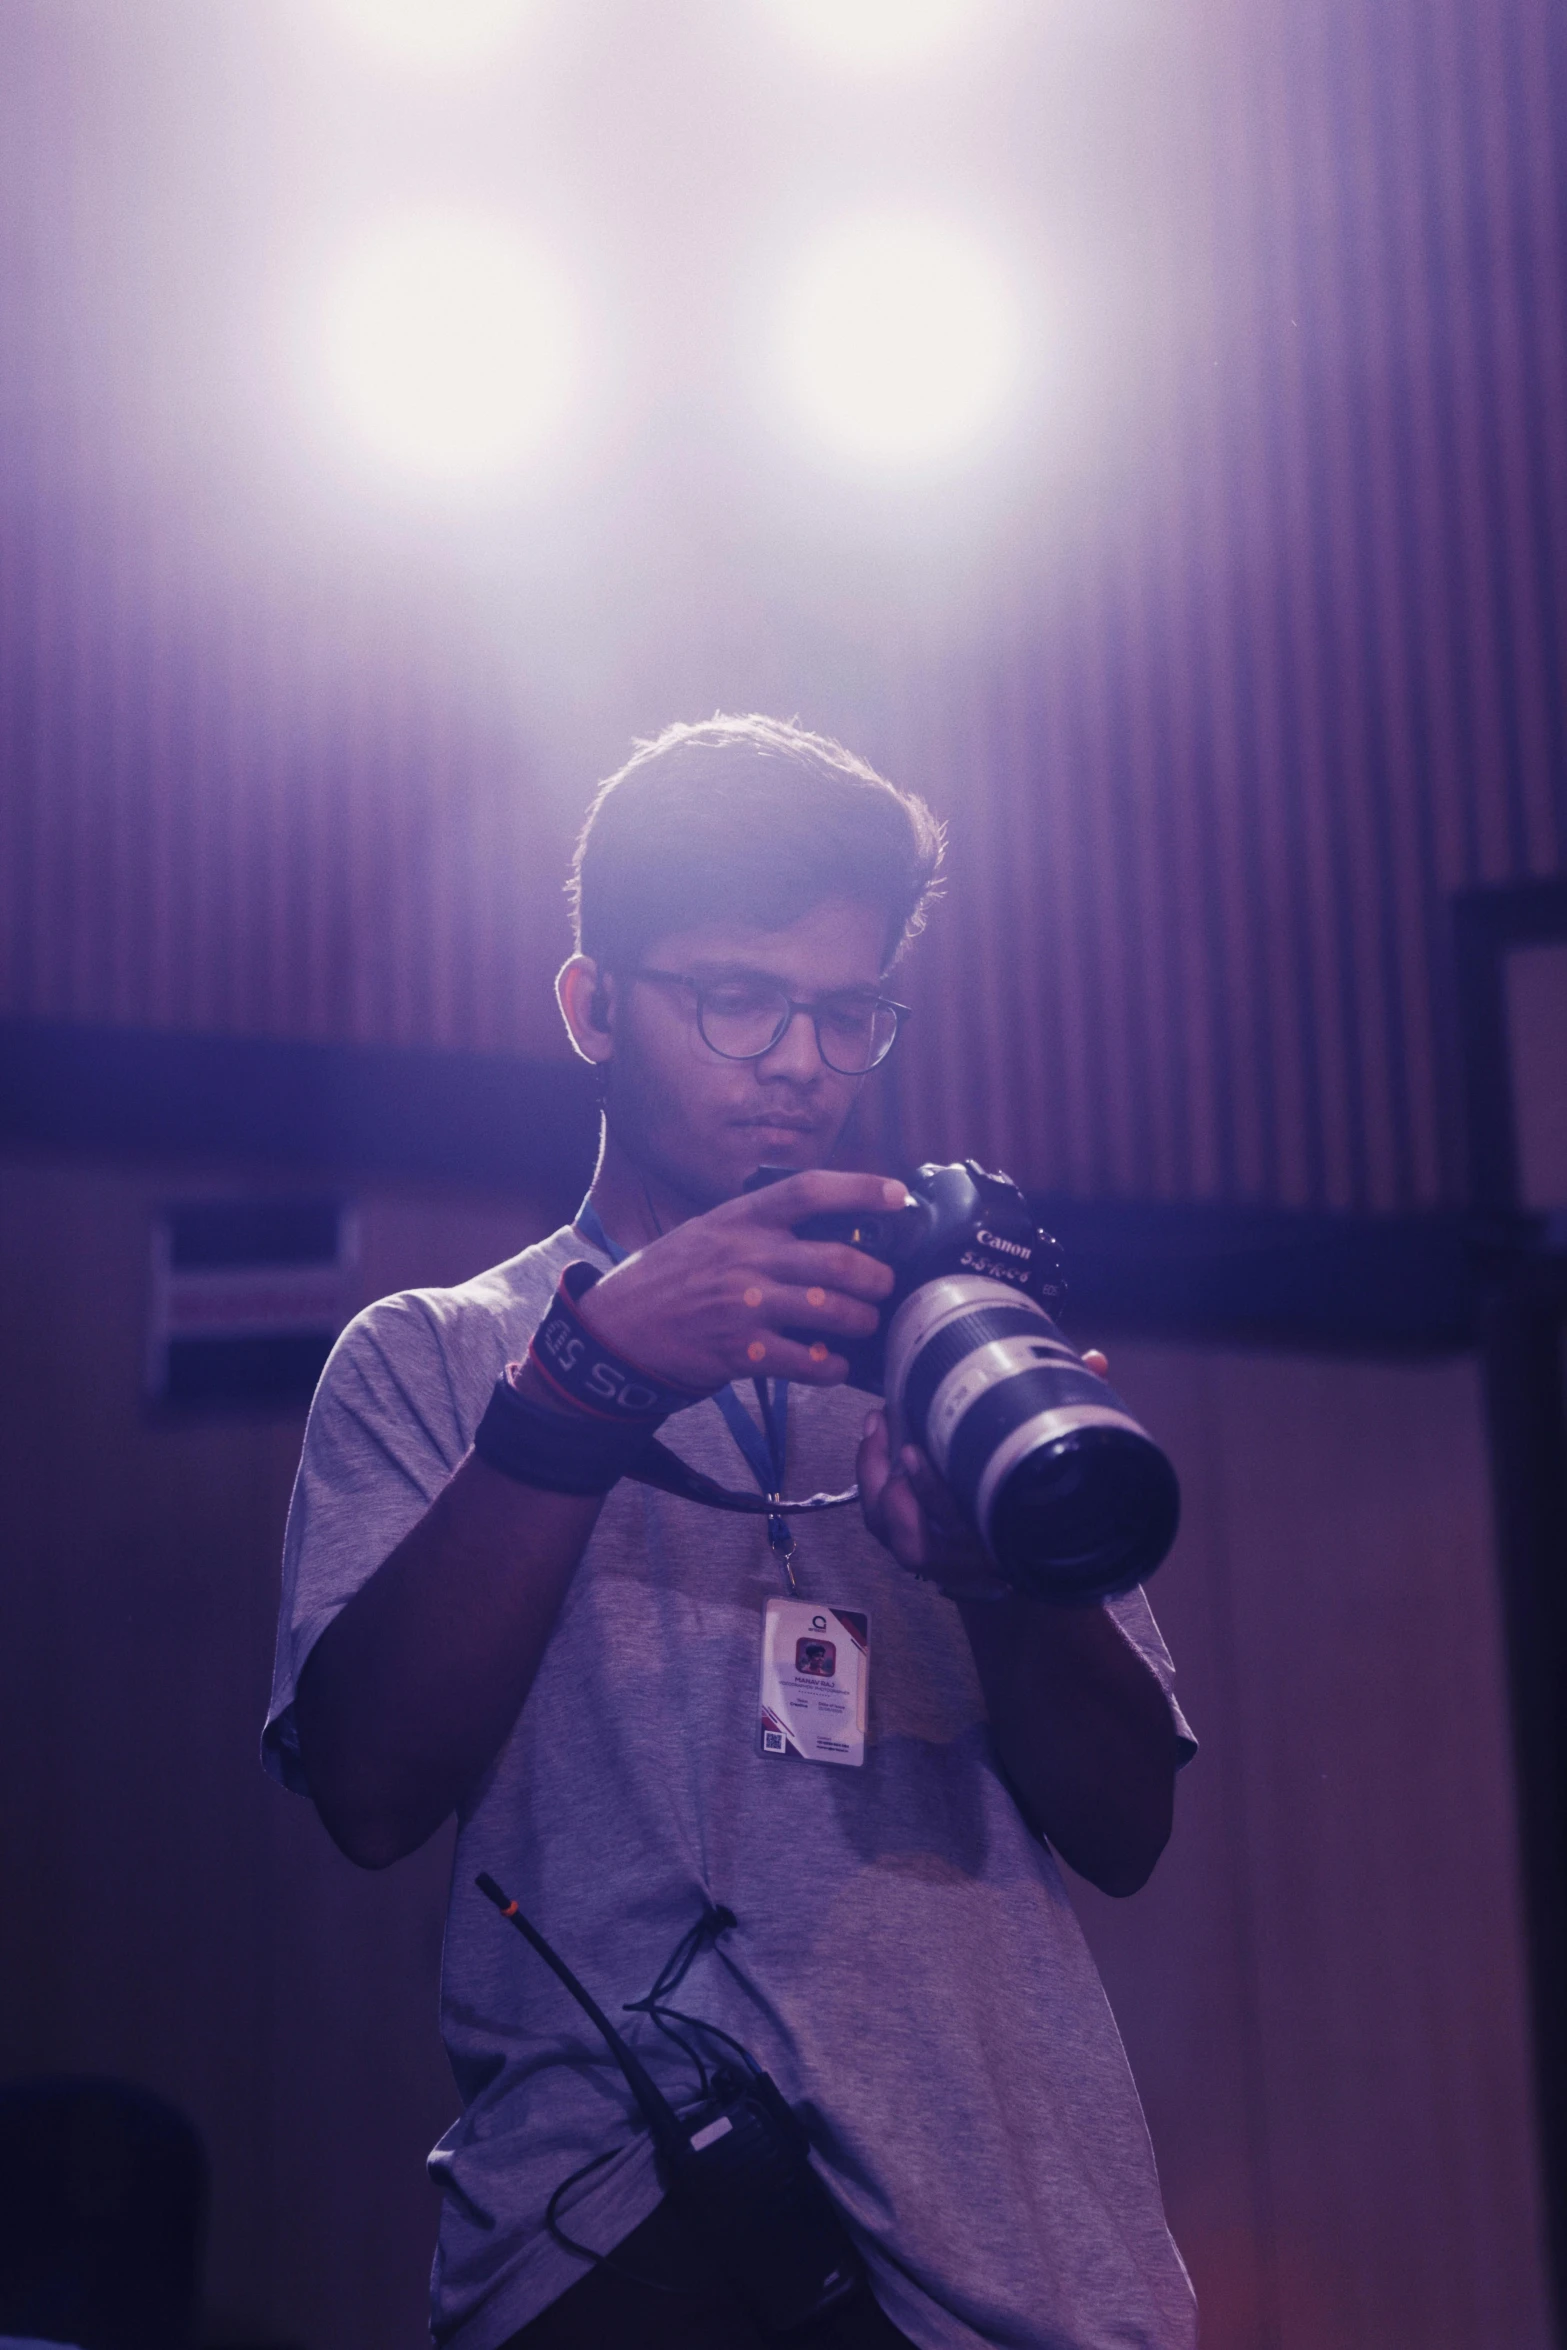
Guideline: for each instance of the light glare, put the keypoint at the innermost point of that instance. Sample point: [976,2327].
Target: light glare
[871,33]
[439,33]
[899,341]
[450,348]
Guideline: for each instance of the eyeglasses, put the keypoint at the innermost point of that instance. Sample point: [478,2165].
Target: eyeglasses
[741,1019]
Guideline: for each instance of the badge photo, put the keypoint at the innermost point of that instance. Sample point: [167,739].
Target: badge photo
[815,1673]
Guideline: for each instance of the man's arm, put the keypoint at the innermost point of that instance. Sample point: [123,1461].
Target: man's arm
[1081,1725]
[1084,1733]
[409,1693]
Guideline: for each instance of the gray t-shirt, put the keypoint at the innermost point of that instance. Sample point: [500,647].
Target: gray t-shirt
[906,1963]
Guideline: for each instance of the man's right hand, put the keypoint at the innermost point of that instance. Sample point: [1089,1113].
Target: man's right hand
[711,1301]
[409,1692]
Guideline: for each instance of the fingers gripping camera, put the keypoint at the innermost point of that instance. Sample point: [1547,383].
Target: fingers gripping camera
[1072,1499]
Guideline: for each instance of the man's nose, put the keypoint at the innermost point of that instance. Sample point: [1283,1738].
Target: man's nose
[796,1054]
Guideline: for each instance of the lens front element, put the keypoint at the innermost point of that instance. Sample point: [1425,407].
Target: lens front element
[1072,1499]
[1086,1516]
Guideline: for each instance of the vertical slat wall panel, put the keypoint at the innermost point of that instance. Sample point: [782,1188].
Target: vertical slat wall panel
[1247,714]
[1333,655]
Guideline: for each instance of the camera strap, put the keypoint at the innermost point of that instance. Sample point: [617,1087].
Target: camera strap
[764,1449]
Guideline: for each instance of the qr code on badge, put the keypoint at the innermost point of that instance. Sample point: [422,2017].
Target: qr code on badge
[773,1742]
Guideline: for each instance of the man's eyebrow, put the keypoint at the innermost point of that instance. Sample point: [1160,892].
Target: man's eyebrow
[699,969]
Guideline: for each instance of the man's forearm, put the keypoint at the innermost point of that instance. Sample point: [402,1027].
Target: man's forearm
[410,1691]
[1083,1731]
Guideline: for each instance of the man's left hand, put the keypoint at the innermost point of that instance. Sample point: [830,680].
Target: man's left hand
[1082,1729]
[911,1513]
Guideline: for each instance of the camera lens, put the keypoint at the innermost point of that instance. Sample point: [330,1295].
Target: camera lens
[1072,1499]
[1092,1513]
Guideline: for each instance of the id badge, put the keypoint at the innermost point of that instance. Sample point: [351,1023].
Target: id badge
[815,1668]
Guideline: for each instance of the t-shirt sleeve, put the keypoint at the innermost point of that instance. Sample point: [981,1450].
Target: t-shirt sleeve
[1135,1617]
[392,1417]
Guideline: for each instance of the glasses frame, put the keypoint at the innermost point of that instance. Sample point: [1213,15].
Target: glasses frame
[813,1012]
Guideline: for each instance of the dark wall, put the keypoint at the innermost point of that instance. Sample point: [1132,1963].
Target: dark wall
[171,1917]
[1322,1991]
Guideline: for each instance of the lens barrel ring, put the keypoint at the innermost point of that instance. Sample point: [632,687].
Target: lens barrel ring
[956,1340]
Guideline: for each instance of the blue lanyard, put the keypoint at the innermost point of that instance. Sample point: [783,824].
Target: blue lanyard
[766,1455]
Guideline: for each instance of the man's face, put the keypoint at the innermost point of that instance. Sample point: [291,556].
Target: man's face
[701,1123]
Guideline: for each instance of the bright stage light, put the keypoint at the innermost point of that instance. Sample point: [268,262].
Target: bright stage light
[440,33]
[450,347]
[900,340]
[876,32]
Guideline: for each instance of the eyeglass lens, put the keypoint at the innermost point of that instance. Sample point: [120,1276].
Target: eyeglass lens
[742,1022]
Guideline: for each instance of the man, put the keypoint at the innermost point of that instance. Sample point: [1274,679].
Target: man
[575,1672]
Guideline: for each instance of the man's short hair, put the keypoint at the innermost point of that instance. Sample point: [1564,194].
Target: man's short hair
[750,819]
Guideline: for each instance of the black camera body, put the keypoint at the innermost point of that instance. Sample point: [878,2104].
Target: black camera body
[961,1220]
[1070,1496]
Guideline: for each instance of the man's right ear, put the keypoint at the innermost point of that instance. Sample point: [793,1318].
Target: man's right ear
[586,996]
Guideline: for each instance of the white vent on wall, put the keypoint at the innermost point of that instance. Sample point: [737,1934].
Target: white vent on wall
[247,1298]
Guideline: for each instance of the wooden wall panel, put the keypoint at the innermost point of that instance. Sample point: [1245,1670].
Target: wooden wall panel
[172,1917]
[1219,721]
[1321,1990]
[1315,684]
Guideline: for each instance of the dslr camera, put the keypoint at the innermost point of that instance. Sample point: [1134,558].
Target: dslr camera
[1072,1499]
